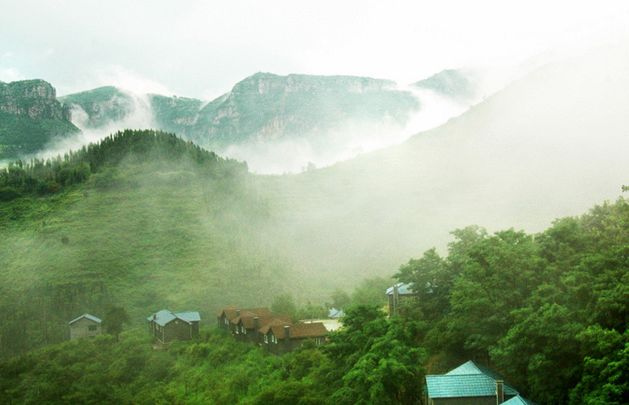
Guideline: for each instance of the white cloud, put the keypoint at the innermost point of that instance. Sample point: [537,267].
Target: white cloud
[200,48]
[121,77]
[10,75]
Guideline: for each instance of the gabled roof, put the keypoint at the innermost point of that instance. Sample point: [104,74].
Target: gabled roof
[467,380]
[274,322]
[336,313]
[248,320]
[190,316]
[232,312]
[86,316]
[469,367]
[300,330]
[227,311]
[165,316]
[518,400]
[402,289]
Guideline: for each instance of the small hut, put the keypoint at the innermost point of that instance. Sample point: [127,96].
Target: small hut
[85,325]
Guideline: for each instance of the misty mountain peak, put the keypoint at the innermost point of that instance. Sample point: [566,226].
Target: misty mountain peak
[33,98]
[456,83]
[31,116]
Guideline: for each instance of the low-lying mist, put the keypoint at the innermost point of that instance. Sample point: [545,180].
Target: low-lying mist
[275,154]
[140,116]
[551,144]
[301,152]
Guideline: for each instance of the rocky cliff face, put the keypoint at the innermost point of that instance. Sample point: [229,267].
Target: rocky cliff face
[33,98]
[30,118]
[270,107]
[101,106]
[263,107]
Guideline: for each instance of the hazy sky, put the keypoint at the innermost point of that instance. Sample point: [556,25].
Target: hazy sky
[201,48]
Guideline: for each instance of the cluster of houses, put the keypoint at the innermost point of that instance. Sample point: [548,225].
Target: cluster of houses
[469,384]
[276,333]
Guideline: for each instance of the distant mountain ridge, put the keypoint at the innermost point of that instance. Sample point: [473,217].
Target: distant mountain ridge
[263,118]
[452,83]
[30,117]
[261,107]
[267,106]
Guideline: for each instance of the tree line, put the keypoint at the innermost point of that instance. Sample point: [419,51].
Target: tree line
[549,311]
[48,176]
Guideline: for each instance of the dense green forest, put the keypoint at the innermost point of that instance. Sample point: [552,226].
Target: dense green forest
[548,311]
[371,361]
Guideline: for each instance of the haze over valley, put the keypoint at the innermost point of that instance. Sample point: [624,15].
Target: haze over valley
[446,184]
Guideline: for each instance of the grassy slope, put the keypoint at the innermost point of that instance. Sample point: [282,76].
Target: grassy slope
[143,235]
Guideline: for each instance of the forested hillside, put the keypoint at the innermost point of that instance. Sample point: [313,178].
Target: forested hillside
[142,219]
[548,311]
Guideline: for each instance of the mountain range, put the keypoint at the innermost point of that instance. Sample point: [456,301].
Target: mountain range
[320,119]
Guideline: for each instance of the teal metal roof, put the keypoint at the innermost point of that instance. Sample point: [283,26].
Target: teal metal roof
[164,316]
[470,367]
[467,380]
[335,313]
[464,385]
[190,316]
[87,316]
[518,400]
[402,289]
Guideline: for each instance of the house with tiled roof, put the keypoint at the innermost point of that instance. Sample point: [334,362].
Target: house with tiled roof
[228,314]
[469,384]
[278,338]
[397,294]
[166,326]
[85,325]
[248,324]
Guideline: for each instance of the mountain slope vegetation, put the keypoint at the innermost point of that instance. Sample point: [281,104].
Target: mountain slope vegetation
[165,232]
[144,219]
[548,311]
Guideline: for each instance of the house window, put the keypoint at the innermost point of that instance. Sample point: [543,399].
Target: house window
[273,339]
[91,327]
[244,330]
[266,339]
[226,321]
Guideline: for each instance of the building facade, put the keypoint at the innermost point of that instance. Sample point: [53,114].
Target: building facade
[85,325]
[279,339]
[166,326]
